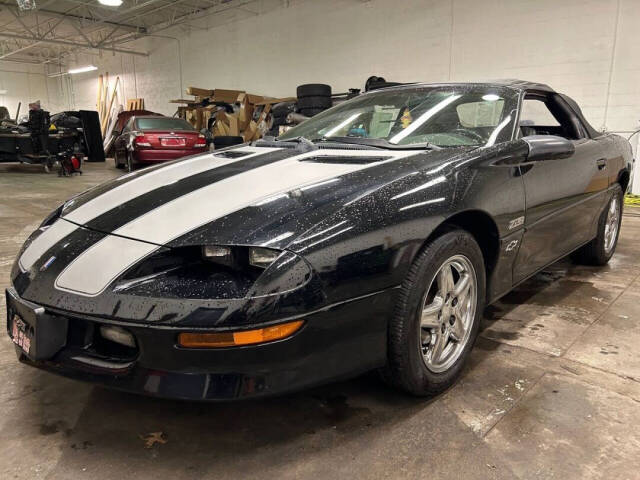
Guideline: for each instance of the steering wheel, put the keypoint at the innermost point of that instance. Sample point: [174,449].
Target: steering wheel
[469,134]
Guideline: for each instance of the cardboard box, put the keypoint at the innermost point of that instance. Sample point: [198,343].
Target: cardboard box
[229,96]
[250,132]
[241,123]
[245,113]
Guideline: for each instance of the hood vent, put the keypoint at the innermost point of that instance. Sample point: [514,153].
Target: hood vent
[231,154]
[348,160]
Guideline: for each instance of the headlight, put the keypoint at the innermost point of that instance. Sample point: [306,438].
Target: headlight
[219,255]
[215,272]
[262,257]
[239,257]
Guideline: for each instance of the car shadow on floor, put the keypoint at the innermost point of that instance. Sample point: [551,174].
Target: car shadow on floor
[212,436]
[117,426]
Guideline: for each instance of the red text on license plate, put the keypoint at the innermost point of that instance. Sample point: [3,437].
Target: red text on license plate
[19,336]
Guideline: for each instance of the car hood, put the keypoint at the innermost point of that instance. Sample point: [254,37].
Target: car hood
[247,195]
[243,196]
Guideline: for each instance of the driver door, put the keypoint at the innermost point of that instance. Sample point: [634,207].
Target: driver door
[563,196]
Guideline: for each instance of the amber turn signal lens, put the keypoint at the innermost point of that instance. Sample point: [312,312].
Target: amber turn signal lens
[236,339]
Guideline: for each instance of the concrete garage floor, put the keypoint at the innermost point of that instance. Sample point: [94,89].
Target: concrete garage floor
[552,391]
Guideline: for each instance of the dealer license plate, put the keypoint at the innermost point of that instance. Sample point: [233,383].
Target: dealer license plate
[173,142]
[21,333]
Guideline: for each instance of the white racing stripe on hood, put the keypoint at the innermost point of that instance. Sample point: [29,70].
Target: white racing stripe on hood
[124,193]
[43,242]
[98,266]
[156,179]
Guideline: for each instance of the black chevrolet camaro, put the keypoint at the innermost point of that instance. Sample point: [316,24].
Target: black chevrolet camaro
[371,236]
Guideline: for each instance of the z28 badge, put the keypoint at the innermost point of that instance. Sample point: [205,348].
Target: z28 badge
[516,222]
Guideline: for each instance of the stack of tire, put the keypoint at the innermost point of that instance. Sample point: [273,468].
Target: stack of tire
[313,98]
[279,113]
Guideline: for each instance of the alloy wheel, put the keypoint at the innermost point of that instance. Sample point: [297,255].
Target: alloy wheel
[448,312]
[612,224]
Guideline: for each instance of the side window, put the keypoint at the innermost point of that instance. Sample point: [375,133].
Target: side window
[535,112]
[128,126]
[548,116]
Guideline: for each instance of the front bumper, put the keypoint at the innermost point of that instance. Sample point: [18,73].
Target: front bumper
[337,342]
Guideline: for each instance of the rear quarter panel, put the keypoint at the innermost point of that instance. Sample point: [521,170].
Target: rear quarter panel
[620,159]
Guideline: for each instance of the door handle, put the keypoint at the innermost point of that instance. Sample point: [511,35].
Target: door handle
[602,163]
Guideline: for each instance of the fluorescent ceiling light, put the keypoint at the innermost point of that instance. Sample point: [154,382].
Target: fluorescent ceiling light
[491,97]
[83,69]
[111,3]
[3,92]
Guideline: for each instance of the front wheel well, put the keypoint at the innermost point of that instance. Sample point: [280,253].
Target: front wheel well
[483,229]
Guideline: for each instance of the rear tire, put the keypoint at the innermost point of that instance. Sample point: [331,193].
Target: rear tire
[116,160]
[600,250]
[314,102]
[311,112]
[436,322]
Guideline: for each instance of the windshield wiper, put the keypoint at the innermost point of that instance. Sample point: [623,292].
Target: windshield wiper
[378,143]
[302,144]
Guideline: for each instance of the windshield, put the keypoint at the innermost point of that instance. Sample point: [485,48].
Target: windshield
[166,123]
[445,116]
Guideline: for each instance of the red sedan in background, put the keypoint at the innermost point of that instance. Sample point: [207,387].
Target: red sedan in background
[152,139]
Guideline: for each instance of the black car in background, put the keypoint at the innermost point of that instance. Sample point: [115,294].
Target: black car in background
[70,131]
[369,237]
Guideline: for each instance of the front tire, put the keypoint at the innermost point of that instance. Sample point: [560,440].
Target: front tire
[437,316]
[600,250]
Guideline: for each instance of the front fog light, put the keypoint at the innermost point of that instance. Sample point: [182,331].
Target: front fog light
[118,335]
[262,257]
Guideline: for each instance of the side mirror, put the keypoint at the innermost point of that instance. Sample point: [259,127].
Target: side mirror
[548,147]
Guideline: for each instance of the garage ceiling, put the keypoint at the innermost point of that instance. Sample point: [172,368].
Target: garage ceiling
[57,29]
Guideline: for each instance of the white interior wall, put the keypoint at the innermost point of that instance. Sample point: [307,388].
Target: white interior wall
[23,83]
[582,47]
[585,48]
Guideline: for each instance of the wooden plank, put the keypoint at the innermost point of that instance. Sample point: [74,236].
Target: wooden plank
[99,96]
[135,104]
[272,101]
[199,92]
[108,114]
